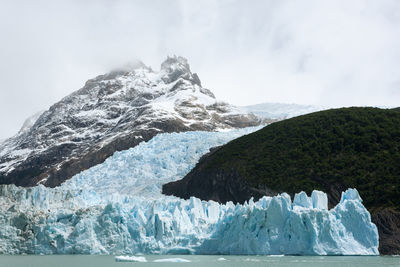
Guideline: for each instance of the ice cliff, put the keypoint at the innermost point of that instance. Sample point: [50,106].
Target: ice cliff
[116,208]
[53,221]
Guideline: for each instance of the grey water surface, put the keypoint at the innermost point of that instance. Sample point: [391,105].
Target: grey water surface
[203,261]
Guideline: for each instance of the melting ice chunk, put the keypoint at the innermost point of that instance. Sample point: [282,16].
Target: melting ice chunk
[130,259]
[172,260]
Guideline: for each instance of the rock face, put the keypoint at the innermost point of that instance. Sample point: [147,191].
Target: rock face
[388,223]
[113,112]
[218,185]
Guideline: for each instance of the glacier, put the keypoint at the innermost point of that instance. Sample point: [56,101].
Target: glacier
[117,208]
[142,170]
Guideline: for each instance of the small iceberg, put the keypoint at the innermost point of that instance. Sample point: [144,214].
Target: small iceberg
[172,260]
[130,259]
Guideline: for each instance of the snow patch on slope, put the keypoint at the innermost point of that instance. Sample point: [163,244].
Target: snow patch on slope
[280,111]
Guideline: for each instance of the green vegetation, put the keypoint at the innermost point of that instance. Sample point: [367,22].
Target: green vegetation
[329,150]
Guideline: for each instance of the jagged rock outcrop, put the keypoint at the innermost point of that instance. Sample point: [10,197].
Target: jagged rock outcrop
[113,112]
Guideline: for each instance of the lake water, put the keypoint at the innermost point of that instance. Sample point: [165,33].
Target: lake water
[203,261]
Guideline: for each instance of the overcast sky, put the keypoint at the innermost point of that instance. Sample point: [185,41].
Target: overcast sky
[331,53]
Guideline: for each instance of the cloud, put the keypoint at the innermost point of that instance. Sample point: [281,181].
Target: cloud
[334,53]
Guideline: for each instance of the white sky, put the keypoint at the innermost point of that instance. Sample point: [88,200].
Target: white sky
[331,53]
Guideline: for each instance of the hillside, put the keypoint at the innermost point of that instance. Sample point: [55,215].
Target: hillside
[328,150]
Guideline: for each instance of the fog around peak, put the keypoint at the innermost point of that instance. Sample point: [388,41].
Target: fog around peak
[337,53]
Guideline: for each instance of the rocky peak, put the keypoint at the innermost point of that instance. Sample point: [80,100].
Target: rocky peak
[177,67]
[175,62]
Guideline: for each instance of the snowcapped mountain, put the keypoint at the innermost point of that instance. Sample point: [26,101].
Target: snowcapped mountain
[117,205]
[113,112]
